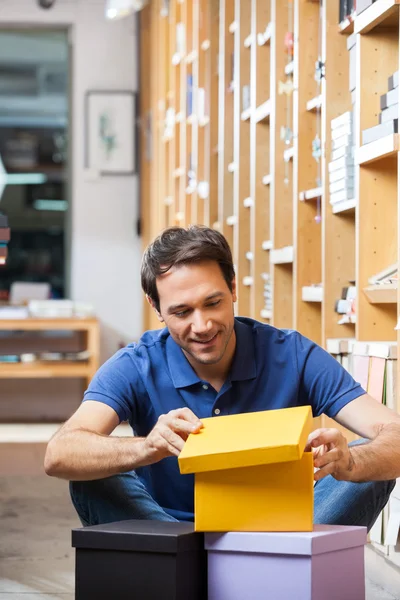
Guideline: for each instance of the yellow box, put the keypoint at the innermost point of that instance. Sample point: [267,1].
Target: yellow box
[251,472]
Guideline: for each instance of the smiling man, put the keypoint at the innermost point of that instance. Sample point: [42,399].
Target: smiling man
[205,363]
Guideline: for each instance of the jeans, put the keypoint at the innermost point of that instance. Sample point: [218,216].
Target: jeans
[123,497]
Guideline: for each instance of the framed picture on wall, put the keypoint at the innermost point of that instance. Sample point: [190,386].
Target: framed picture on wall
[110,144]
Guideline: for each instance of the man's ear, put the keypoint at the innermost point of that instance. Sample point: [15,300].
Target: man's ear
[234,295]
[150,301]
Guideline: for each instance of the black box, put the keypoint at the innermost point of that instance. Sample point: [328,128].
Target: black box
[379,131]
[390,98]
[389,113]
[361,5]
[140,560]
[393,81]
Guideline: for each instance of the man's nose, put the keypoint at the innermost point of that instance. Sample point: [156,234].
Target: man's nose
[200,323]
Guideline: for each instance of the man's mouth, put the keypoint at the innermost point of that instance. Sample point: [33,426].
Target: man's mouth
[207,341]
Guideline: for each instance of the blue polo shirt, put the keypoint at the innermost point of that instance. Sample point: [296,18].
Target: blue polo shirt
[272,368]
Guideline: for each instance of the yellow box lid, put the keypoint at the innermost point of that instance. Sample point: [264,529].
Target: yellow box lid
[247,439]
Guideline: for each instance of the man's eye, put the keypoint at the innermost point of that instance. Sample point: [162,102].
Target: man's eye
[181,314]
[214,303]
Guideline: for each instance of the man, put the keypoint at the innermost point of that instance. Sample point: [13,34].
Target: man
[205,363]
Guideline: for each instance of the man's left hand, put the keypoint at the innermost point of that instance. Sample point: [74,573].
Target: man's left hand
[332,455]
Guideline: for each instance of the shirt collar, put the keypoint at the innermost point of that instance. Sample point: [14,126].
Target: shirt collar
[243,366]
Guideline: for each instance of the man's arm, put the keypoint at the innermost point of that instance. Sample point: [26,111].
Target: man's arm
[379,459]
[83,450]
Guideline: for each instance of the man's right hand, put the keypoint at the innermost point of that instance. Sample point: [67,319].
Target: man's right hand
[168,436]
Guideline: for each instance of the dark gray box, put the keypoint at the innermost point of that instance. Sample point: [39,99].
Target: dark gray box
[379,131]
[393,81]
[390,98]
[147,560]
[389,114]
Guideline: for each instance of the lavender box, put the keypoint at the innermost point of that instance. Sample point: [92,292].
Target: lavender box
[325,564]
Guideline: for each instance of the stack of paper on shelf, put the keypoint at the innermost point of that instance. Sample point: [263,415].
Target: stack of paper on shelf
[388,117]
[341,167]
[267,291]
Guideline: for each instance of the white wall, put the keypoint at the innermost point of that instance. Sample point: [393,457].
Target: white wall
[105,250]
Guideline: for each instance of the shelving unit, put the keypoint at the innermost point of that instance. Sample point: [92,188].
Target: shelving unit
[56,369]
[248,163]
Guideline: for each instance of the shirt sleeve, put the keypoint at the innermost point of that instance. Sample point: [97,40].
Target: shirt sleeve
[114,384]
[324,383]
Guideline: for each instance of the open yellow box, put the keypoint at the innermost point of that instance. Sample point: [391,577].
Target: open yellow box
[251,471]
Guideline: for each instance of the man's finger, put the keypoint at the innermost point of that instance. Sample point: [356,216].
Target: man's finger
[329,436]
[185,414]
[314,435]
[172,438]
[329,457]
[328,470]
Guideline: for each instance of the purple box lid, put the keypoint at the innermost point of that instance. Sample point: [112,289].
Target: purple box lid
[324,538]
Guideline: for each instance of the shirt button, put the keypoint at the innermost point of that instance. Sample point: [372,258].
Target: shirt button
[205,387]
[216,411]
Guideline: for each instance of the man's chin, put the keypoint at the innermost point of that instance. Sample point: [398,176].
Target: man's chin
[206,359]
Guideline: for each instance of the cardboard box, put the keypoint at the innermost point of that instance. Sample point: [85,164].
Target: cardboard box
[140,559]
[251,472]
[326,564]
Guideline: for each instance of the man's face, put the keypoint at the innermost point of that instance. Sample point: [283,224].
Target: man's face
[197,307]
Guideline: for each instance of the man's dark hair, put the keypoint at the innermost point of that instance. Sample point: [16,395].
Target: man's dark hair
[177,246]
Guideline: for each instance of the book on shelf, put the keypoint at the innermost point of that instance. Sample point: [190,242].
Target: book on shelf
[389,114]
[351,47]
[245,97]
[345,194]
[387,275]
[346,8]
[180,39]
[189,94]
[372,134]
[346,172]
[393,81]
[362,5]
[342,184]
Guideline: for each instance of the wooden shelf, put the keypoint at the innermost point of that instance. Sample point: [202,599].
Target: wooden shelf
[347,206]
[311,194]
[263,112]
[264,194]
[346,26]
[266,314]
[381,294]
[314,104]
[32,324]
[267,245]
[267,179]
[383,13]
[383,148]
[282,256]
[44,370]
[289,68]
[312,294]
[288,154]
[56,369]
